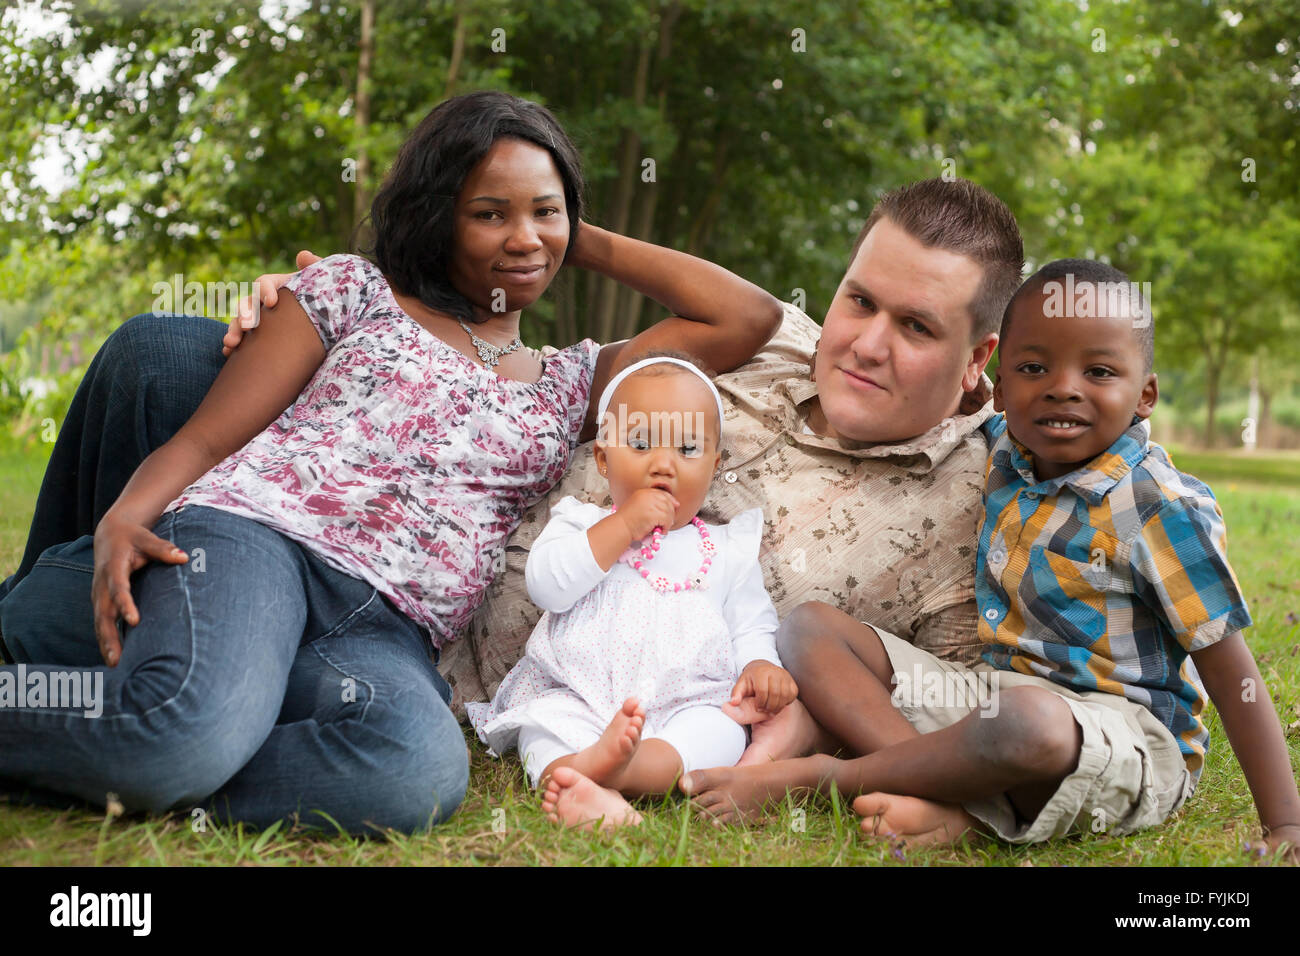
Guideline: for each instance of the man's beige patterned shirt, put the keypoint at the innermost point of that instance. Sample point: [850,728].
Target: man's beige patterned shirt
[885,532]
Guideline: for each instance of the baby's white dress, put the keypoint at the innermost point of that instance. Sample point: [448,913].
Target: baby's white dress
[609,635]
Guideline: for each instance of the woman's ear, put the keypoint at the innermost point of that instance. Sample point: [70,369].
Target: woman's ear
[601,458]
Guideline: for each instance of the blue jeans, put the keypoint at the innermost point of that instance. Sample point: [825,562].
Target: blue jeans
[141,387]
[260,683]
[359,760]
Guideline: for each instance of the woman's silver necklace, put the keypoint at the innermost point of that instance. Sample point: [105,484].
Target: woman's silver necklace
[488,353]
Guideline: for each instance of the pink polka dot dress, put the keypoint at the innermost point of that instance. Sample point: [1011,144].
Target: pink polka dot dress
[607,636]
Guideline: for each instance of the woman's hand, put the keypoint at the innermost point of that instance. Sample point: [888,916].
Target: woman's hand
[249,315]
[122,548]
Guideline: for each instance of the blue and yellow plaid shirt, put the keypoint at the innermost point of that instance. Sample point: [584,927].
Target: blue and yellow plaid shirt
[1105,579]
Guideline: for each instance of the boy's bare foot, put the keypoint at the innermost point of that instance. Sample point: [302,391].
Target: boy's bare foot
[606,759]
[577,801]
[730,794]
[790,733]
[914,820]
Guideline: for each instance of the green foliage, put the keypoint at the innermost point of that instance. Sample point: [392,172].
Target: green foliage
[215,138]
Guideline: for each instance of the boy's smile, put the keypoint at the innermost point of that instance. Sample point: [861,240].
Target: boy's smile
[1070,385]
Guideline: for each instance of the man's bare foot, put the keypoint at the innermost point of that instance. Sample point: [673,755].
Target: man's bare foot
[913,820]
[731,794]
[790,733]
[605,760]
[577,801]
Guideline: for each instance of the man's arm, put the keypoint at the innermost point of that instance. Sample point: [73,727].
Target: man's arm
[1233,681]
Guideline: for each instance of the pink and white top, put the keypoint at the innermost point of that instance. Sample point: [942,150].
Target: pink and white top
[403,463]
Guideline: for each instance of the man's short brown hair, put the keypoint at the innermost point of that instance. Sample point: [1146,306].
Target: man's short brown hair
[959,216]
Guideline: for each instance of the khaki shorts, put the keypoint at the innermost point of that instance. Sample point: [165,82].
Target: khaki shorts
[1131,773]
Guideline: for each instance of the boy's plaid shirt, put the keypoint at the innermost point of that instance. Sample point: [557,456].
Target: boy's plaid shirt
[1106,578]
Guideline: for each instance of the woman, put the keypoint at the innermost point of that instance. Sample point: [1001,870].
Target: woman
[350,478]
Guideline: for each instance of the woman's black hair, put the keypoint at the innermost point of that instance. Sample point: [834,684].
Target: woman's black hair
[413,213]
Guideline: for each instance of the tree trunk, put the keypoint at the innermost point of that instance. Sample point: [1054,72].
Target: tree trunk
[1211,396]
[361,119]
[619,212]
[457,53]
[631,303]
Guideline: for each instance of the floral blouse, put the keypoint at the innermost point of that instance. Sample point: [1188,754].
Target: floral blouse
[403,463]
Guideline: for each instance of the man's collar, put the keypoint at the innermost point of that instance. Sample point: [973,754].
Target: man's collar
[1091,482]
[921,453]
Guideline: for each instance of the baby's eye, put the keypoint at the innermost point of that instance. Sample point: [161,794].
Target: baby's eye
[1030,368]
[691,451]
[1100,371]
[638,443]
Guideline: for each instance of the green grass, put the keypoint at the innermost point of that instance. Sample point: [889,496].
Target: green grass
[499,822]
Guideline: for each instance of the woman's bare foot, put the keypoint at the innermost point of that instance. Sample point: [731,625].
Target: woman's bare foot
[605,760]
[577,801]
[790,733]
[913,820]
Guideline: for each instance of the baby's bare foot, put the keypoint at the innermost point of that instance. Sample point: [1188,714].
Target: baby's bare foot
[605,760]
[577,801]
[912,820]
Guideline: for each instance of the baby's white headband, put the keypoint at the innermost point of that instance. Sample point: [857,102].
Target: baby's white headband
[608,393]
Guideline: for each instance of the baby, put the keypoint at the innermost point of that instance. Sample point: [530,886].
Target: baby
[658,637]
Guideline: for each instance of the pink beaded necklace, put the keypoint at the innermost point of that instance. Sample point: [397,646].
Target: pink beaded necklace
[639,558]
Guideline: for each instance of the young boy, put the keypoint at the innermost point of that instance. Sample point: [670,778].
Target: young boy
[1104,589]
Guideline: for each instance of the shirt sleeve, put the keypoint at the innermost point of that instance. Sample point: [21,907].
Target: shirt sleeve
[333,293]
[1181,571]
[561,567]
[747,608]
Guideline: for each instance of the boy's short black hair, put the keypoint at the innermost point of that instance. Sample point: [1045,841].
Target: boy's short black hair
[1121,291]
[413,213]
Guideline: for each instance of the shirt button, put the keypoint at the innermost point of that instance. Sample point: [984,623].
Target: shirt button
[1031,495]
[991,614]
[997,557]
[730,477]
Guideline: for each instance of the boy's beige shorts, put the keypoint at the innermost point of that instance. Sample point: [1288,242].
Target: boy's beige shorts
[1131,773]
